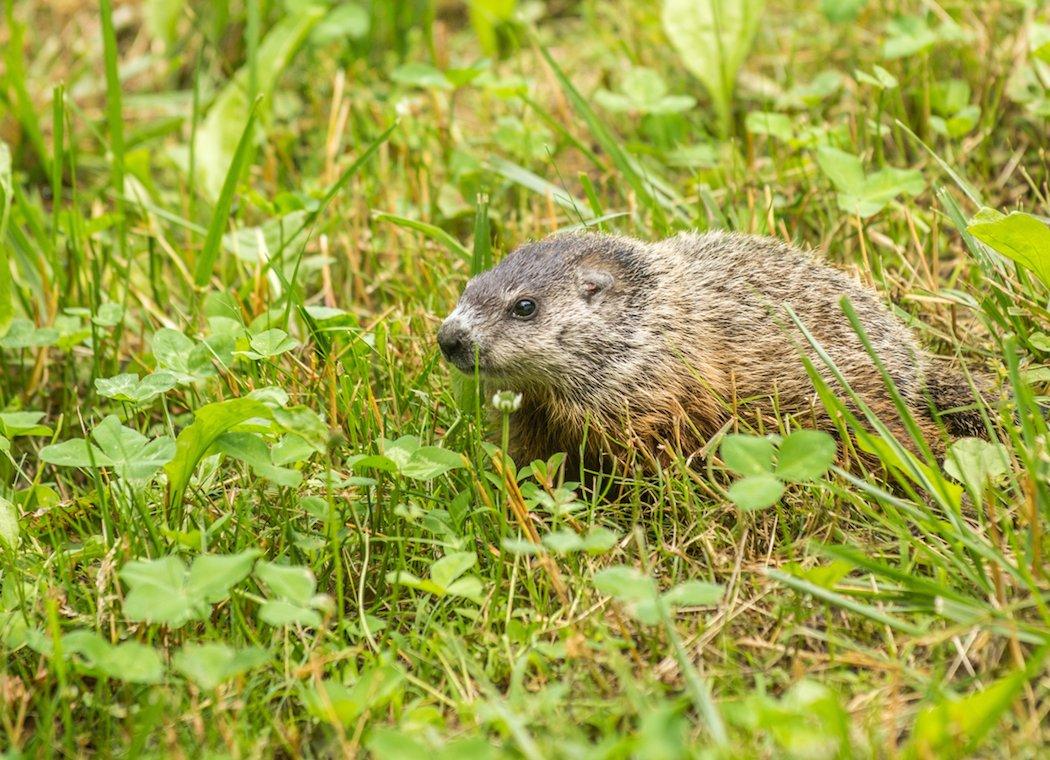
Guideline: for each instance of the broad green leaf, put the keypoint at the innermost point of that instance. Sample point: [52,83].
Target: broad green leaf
[128,661]
[280,613]
[375,462]
[844,169]
[421,75]
[776,125]
[839,11]
[521,546]
[826,576]
[756,491]
[76,452]
[290,449]
[208,665]
[15,424]
[170,349]
[407,457]
[132,456]
[866,195]
[446,577]
[401,744]
[372,690]
[289,582]
[157,592]
[957,125]
[811,94]
[8,524]
[747,454]
[210,421]
[346,21]
[468,587]
[269,343]
[694,594]
[252,450]
[907,36]
[1040,341]
[632,588]
[910,35]
[166,591]
[405,578]
[880,79]
[305,423]
[713,38]
[213,575]
[428,462]
[451,566]
[22,334]
[563,541]
[1039,42]
[108,315]
[975,462]
[1020,237]
[643,91]
[949,97]
[805,455]
[184,358]
[624,583]
[130,389]
[599,540]
[257,244]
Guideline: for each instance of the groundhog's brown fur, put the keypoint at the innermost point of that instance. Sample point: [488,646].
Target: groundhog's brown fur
[640,346]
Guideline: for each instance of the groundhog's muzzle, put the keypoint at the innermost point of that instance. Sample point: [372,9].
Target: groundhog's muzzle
[457,344]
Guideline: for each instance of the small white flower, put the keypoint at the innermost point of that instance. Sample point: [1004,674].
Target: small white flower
[506,402]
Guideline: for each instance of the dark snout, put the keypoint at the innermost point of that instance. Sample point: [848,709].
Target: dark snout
[457,344]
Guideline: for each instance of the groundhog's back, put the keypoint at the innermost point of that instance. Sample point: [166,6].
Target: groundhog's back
[734,289]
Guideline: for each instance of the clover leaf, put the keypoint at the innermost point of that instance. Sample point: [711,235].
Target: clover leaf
[166,591]
[445,578]
[132,456]
[802,456]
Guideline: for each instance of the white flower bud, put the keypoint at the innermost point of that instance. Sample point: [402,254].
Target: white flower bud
[506,402]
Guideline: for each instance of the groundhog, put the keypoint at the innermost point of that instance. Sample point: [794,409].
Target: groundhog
[618,346]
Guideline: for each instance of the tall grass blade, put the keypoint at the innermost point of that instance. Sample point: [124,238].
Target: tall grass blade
[221,213]
[624,163]
[7,302]
[114,116]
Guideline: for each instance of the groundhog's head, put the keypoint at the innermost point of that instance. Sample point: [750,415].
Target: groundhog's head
[557,313]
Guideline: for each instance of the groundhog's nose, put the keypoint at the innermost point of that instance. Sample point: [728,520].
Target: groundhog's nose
[456,343]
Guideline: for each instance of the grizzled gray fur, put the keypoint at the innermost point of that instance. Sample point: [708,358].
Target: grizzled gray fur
[620,346]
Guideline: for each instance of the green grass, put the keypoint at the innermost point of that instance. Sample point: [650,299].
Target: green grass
[246,510]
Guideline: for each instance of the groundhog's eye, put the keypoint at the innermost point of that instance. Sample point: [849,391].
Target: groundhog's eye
[523,308]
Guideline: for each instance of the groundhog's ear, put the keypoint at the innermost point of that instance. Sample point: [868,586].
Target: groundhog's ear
[592,282]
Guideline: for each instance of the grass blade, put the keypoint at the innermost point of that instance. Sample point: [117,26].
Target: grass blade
[624,163]
[220,216]
[434,233]
[846,603]
[114,115]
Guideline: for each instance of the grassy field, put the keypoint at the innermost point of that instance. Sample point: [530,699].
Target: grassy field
[246,509]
